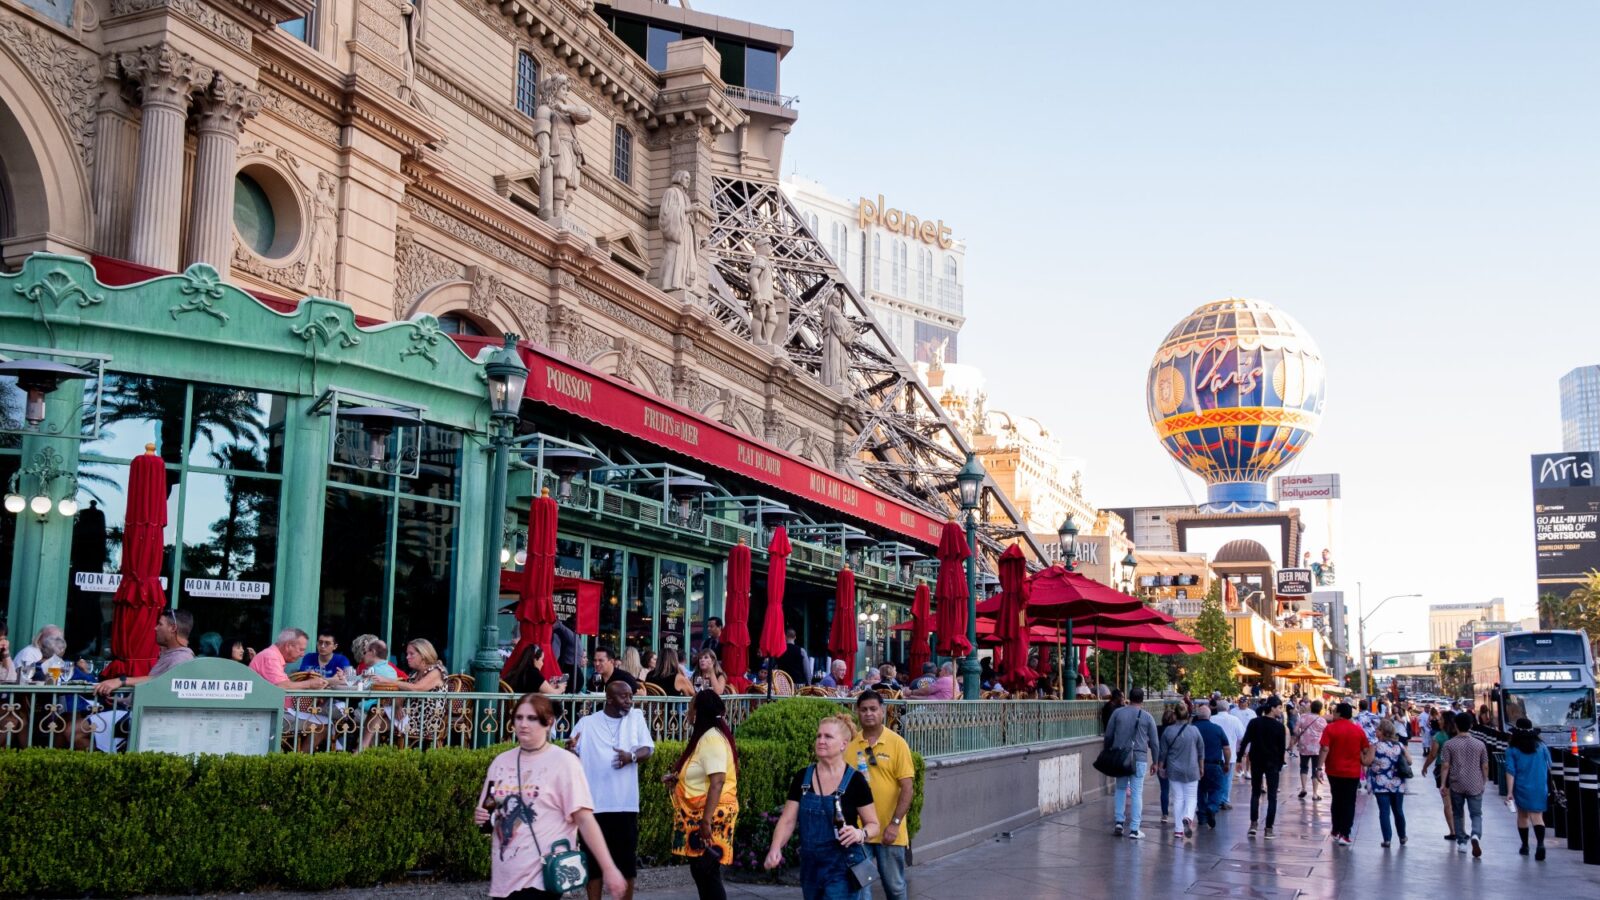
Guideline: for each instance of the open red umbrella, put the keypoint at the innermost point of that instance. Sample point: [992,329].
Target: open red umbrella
[1059,595]
[950,592]
[536,612]
[919,626]
[736,617]
[1011,626]
[842,636]
[772,640]
[139,598]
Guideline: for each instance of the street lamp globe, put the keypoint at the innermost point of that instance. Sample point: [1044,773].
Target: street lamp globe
[1068,535]
[1129,567]
[40,504]
[15,503]
[507,377]
[68,506]
[969,480]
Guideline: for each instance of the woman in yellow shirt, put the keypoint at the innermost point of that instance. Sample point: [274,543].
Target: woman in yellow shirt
[706,777]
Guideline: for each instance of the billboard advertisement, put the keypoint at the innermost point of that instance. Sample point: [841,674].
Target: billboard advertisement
[1294,582]
[1566,518]
[1288,488]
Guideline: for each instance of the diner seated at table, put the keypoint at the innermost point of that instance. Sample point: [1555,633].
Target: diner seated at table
[33,654]
[8,666]
[273,663]
[173,627]
[838,677]
[427,672]
[372,657]
[669,676]
[940,688]
[327,661]
[236,650]
[708,672]
[526,675]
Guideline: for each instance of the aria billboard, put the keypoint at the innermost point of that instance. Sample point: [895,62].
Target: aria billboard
[1566,519]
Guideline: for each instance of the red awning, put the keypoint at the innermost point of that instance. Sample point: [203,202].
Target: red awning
[624,407]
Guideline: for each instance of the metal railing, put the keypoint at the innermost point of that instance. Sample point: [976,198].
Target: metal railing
[750,95]
[71,717]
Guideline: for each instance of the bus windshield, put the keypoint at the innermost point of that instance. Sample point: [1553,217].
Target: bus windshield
[1544,649]
[1550,709]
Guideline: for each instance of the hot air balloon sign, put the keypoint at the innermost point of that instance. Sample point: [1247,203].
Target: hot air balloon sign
[1235,393]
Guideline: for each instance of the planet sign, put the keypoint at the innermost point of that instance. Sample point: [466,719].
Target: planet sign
[1234,394]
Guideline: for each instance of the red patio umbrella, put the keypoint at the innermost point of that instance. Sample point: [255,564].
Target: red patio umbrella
[536,612]
[736,617]
[919,626]
[772,640]
[950,592]
[1011,627]
[1036,634]
[1059,595]
[842,636]
[139,598]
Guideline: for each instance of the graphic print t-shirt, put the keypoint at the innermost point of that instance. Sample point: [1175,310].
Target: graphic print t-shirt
[551,792]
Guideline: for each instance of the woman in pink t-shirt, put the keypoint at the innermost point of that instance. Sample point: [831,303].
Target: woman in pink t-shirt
[540,797]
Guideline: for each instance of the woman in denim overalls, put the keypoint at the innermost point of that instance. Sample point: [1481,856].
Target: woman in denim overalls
[826,854]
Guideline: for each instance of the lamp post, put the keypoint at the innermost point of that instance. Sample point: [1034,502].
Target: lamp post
[1130,568]
[969,481]
[507,377]
[1067,535]
[1361,637]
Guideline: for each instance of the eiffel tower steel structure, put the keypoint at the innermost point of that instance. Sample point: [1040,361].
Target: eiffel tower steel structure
[902,441]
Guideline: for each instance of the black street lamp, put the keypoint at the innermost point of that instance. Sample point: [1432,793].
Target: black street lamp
[1067,535]
[507,377]
[1130,568]
[969,481]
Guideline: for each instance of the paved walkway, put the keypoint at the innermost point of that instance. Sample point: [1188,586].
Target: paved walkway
[1073,855]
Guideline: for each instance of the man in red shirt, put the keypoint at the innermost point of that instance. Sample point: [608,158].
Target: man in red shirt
[1345,752]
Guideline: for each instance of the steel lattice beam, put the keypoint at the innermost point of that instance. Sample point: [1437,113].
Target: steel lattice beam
[902,443]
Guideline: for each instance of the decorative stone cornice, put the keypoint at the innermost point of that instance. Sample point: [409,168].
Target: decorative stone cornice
[228,29]
[594,55]
[226,104]
[166,75]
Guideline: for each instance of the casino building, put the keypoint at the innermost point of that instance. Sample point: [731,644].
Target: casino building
[600,179]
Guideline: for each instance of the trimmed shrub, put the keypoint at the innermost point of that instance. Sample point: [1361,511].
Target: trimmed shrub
[790,720]
[147,823]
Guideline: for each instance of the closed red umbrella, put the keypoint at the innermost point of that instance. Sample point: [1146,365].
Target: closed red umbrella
[139,598]
[536,612]
[772,640]
[1012,624]
[736,617]
[842,636]
[919,627]
[950,592]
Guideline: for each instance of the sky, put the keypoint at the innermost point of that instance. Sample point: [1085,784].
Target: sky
[1416,183]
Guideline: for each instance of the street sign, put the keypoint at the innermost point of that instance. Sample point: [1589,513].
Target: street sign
[1294,582]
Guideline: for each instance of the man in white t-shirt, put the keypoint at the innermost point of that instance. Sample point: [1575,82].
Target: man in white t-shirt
[611,743]
[1234,729]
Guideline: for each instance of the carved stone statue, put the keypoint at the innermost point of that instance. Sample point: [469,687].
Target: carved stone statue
[627,358]
[408,54]
[837,334]
[325,234]
[680,259]
[936,355]
[555,130]
[765,329]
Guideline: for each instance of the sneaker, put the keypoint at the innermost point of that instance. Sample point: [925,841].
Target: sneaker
[1538,854]
[1477,850]
[1523,850]
[1179,835]
[1117,831]
[1402,840]
[1165,818]
[1384,845]
[1188,827]
[1316,798]
[1449,837]
[1267,835]
[1135,835]
[1252,831]
[1461,846]
[1227,806]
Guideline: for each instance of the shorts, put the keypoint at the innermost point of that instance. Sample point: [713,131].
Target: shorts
[1311,763]
[621,833]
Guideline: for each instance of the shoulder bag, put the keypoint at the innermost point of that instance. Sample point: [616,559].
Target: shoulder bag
[1114,762]
[1402,765]
[1168,755]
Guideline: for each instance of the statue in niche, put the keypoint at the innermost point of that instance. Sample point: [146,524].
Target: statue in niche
[765,328]
[411,12]
[680,258]
[555,131]
[936,354]
[324,234]
[837,333]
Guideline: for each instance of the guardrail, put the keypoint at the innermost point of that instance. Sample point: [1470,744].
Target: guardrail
[71,717]
[772,98]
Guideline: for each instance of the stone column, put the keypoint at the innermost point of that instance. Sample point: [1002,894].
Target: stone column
[166,76]
[116,143]
[223,106]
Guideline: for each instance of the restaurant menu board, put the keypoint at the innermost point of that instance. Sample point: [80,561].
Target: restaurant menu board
[187,732]
[1566,519]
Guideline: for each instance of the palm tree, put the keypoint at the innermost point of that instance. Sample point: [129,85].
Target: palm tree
[217,411]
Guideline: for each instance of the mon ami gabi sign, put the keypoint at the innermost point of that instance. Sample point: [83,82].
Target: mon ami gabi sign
[601,400]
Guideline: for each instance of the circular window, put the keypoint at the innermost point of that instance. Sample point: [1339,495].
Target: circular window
[266,214]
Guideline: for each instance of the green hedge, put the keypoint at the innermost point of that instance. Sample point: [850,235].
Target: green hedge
[145,823]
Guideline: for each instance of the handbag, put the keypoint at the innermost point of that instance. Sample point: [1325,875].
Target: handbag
[1115,763]
[863,871]
[1402,766]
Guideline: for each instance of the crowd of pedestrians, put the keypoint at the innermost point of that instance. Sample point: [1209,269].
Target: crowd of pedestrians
[1201,746]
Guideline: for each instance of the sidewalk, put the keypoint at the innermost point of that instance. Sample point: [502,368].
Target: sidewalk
[1072,854]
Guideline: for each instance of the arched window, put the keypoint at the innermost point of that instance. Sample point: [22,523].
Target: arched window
[455,323]
[900,268]
[877,262]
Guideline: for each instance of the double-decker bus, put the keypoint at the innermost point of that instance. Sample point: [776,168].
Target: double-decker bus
[1544,676]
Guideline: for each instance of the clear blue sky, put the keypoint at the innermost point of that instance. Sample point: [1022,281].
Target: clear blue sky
[1418,183]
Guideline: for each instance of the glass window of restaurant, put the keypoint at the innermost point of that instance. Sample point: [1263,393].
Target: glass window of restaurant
[648,602]
[223,451]
[389,541]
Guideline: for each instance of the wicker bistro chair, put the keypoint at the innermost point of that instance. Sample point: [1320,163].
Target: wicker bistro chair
[651,690]
[782,684]
[809,690]
[460,711]
[305,722]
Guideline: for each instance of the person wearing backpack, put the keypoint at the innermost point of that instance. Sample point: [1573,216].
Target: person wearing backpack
[1131,729]
[1386,777]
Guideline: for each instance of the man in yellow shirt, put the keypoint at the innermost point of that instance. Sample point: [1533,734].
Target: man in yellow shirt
[885,759]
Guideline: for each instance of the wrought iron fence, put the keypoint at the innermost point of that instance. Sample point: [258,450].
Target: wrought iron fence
[74,717]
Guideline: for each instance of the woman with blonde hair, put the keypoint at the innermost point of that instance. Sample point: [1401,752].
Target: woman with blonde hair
[631,663]
[708,674]
[821,797]
[423,718]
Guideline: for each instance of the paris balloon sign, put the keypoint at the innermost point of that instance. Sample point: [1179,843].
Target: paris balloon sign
[1294,582]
